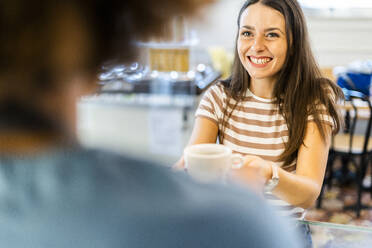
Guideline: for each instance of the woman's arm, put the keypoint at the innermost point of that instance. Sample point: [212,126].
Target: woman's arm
[301,189]
[204,131]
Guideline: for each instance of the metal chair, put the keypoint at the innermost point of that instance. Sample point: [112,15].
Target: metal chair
[352,148]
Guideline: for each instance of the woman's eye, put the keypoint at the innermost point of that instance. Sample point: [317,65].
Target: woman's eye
[247,34]
[272,35]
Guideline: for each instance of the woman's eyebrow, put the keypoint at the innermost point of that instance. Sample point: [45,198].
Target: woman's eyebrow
[274,29]
[247,27]
[265,30]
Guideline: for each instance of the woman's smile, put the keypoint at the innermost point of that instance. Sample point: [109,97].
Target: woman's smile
[259,62]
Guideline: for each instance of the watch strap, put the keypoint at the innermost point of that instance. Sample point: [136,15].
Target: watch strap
[273,182]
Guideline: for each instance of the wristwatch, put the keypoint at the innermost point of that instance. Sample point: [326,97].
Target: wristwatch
[271,183]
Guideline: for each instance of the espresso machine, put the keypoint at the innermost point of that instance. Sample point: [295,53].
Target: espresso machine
[166,66]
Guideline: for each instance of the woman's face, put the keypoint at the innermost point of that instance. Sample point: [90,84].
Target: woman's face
[262,42]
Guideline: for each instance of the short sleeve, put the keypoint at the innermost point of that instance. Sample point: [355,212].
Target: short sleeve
[324,117]
[211,104]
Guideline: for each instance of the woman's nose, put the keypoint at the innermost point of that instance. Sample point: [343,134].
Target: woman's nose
[258,45]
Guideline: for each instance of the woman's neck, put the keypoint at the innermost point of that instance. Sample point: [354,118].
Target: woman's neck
[262,87]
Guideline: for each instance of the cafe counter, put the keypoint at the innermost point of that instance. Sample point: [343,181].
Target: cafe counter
[328,235]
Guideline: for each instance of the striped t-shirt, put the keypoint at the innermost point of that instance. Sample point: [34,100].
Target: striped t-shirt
[255,128]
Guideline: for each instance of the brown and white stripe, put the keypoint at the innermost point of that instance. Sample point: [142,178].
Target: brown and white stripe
[255,128]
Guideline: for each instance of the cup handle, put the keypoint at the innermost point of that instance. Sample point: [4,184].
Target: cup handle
[236,161]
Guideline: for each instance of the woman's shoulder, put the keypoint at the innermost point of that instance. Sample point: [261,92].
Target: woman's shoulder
[330,88]
[220,86]
[217,90]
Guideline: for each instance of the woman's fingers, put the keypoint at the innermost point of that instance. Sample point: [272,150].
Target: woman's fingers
[262,165]
[250,176]
[179,165]
[251,161]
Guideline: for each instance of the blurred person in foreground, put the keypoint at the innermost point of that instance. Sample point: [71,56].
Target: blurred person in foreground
[54,193]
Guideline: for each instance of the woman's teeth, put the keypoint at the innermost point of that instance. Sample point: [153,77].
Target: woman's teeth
[260,61]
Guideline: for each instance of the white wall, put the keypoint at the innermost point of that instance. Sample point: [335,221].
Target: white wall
[338,41]
[218,26]
[335,40]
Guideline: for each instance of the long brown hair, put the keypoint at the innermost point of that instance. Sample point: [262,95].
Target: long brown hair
[300,85]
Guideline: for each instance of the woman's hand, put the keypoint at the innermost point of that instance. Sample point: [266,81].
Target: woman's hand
[179,165]
[254,173]
[263,166]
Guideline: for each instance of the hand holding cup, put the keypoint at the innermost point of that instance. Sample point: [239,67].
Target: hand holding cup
[210,162]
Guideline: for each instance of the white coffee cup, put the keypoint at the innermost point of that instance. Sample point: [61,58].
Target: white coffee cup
[210,162]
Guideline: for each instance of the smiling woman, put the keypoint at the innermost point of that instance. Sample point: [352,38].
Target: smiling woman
[276,109]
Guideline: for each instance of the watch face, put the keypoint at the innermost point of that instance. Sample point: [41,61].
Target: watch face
[275,180]
[270,185]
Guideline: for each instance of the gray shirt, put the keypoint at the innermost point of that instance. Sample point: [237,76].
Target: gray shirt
[88,198]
